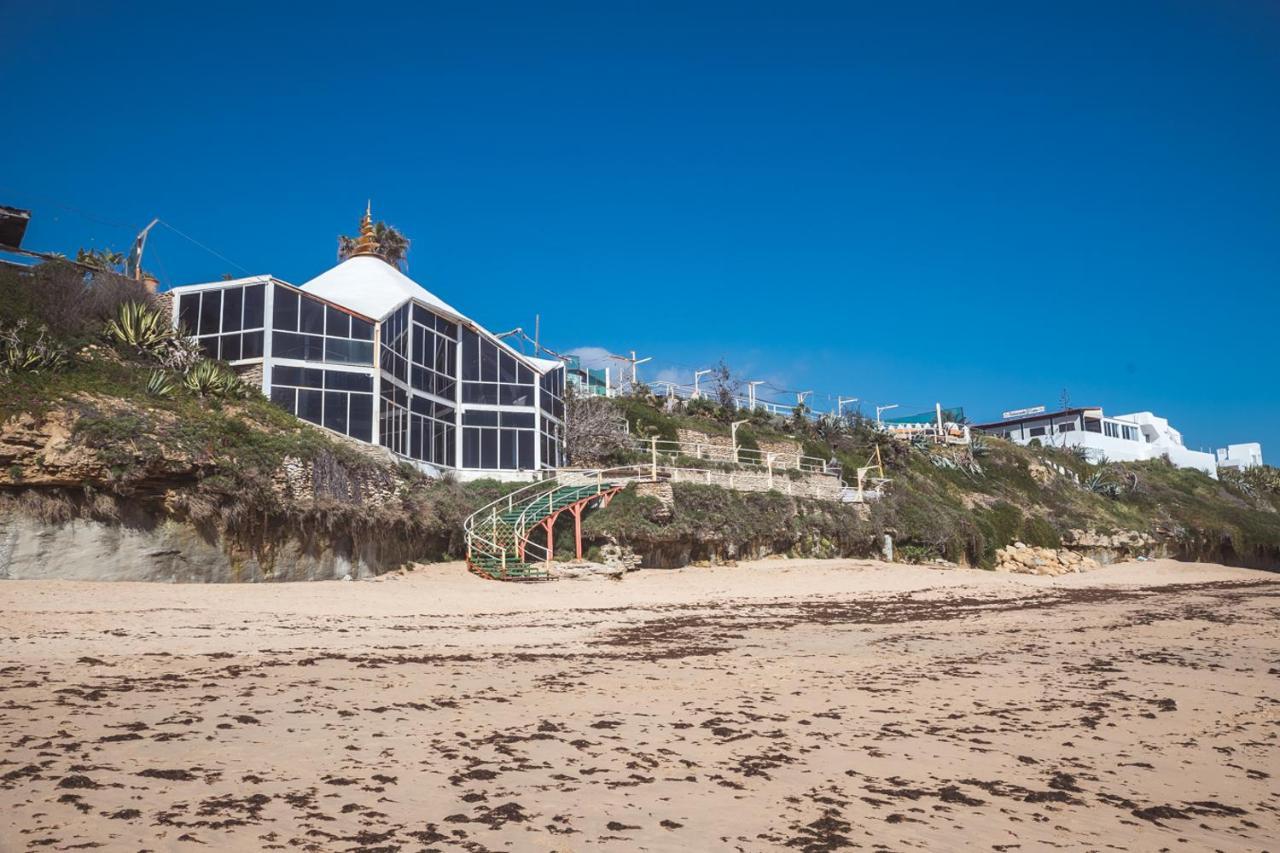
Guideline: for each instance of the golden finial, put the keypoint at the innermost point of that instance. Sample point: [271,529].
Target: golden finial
[368,243]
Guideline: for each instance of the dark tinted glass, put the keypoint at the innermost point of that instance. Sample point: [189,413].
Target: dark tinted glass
[252,347]
[361,418]
[337,323]
[361,330]
[285,398]
[488,362]
[310,404]
[253,296]
[335,411]
[210,311]
[209,346]
[471,448]
[340,380]
[312,317]
[518,419]
[525,375]
[231,347]
[284,315]
[189,312]
[232,305]
[506,367]
[480,418]
[488,448]
[525,456]
[470,355]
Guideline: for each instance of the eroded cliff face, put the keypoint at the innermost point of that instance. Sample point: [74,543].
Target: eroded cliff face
[106,505]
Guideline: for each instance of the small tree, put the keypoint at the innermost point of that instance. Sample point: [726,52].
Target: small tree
[726,387]
[595,432]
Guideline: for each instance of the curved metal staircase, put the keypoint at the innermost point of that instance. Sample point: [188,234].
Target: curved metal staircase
[500,536]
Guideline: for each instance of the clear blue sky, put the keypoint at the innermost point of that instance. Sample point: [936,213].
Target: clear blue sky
[978,203]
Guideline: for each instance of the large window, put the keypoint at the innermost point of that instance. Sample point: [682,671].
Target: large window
[337,399]
[227,321]
[1111,428]
[493,376]
[311,330]
[552,397]
[413,426]
[394,355]
[498,440]
[1130,433]
[434,367]
[551,434]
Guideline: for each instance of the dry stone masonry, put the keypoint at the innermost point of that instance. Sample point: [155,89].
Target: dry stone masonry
[1030,560]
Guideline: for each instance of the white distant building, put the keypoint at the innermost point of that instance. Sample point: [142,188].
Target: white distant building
[1123,438]
[1247,455]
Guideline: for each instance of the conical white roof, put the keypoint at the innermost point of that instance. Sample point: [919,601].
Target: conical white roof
[372,287]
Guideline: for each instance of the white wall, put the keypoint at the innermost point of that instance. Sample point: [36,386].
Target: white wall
[1246,455]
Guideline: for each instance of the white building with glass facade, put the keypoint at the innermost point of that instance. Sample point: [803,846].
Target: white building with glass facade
[365,351]
[1120,438]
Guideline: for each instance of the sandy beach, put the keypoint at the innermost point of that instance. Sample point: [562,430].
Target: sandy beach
[784,704]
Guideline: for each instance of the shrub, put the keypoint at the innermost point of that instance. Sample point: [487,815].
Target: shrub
[160,384]
[25,351]
[211,379]
[139,327]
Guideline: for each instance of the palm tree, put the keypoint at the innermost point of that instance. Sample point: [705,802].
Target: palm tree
[104,260]
[393,247]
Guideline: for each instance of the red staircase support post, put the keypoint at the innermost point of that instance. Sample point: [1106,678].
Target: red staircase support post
[577,528]
[551,523]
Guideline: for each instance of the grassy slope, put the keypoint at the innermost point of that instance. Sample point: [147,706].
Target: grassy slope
[952,513]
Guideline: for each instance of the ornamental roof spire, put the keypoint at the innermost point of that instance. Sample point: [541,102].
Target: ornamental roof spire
[367,244]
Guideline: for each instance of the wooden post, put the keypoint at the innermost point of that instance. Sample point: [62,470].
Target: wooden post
[653,461]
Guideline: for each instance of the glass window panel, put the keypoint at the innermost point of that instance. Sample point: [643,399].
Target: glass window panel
[361,417]
[210,311]
[232,306]
[252,347]
[444,327]
[340,380]
[516,395]
[524,375]
[471,448]
[507,449]
[480,418]
[488,448]
[310,405]
[189,312]
[506,367]
[285,398]
[423,316]
[488,362]
[523,420]
[525,456]
[337,323]
[231,347]
[335,411]
[445,387]
[361,330]
[209,347]
[312,317]
[253,296]
[470,355]
[284,314]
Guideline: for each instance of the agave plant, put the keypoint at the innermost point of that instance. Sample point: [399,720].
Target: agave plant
[141,327]
[211,379]
[22,351]
[160,384]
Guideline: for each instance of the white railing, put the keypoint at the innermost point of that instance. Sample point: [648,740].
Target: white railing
[713,452]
